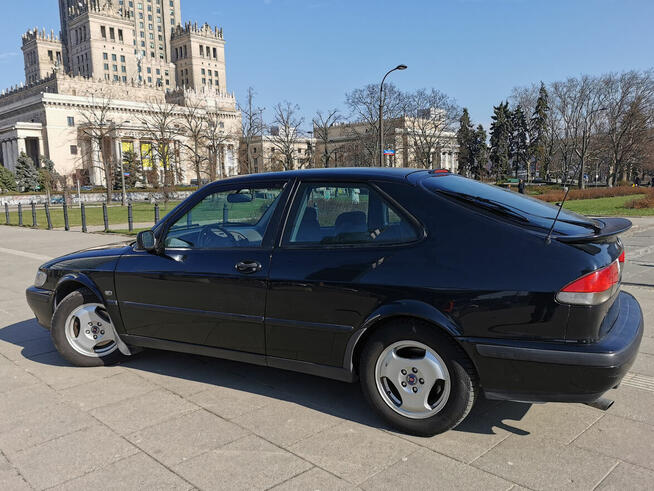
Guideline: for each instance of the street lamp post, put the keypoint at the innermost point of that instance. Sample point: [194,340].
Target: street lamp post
[381,113]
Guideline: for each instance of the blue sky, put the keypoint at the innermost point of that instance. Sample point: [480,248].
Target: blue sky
[311,52]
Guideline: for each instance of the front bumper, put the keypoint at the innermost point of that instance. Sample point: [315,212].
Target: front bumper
[41,303]
[559,372]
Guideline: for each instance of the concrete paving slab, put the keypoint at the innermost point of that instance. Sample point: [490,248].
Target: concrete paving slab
[477,434]
[28,428]
[139,412]
[250,463]
[136,472]
[59,374]
[540,463]
[13,377]
[183,437]
[109,390]
[624,439]
[427,470]
[644,364]
[71,456]
[285,423]
[627,476]
[632,403]
[10,479]
[230,403]
[353,452]
[315,479]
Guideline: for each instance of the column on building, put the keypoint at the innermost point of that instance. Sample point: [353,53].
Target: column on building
[95,172]
[21,147]
[5,161]
[118,155]
[13,154]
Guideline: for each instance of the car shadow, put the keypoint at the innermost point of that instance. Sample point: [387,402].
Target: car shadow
[331,397]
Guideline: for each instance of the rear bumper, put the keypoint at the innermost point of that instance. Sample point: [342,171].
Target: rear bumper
[40,301]
[559,372]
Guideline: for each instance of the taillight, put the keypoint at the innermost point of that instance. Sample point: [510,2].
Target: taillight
[594,288]
[622,257]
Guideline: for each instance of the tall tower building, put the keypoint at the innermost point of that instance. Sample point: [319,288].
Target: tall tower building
[42,53]
[199,56]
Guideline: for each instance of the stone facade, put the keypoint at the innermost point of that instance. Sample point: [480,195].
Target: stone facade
[107,62]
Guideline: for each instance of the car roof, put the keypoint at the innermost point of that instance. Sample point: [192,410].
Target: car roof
[332,173]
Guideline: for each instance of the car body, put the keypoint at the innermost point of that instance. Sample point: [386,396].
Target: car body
[333,255]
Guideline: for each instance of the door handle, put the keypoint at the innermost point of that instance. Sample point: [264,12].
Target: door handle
[248,267]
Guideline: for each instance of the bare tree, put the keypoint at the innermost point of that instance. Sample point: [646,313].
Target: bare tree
[253,126]
[193,123]
[285,136]
[432,117]
[363,104]
[100,130]
[322,124]
[629,117]
[162,127]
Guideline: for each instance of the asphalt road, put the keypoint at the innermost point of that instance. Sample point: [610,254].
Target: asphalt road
[174,421]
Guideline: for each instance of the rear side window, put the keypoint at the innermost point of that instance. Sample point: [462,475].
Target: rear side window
[346,214]
[458,185]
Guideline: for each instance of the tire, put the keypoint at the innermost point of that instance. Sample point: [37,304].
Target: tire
[76,320]
[438,382]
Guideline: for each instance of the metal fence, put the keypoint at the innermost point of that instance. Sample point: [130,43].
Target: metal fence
[65,211]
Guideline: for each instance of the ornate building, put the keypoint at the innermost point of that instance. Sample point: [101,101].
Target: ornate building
[132,61]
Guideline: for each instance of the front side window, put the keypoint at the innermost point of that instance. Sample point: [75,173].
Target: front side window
[343,214]
[226,219]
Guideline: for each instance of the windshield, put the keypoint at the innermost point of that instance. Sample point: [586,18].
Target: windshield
[488,196]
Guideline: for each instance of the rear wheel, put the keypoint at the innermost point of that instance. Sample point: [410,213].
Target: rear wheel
[82,331]
[417,378]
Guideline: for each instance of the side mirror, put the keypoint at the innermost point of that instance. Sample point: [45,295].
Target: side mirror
[146,241]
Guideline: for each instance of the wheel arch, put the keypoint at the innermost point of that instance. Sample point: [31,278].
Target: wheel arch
[71,282]
[411,309]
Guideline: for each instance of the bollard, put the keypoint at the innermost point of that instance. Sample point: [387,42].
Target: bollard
[225,213]
[66,223]
[20,215]
[156,213]
[130,218]
[7,213]
[105,217]
[47,216]
[34,224]
[83,208]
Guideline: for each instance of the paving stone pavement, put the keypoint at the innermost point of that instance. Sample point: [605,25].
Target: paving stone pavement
[174,421]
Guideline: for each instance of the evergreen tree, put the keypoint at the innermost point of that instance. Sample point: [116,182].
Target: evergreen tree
[500,139]
[538,132]
[7,180]
[131,165]
[465,139]
[27,176]
[479,152]
[519,138]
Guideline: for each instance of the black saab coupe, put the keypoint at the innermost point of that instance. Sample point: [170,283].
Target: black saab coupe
[429,288]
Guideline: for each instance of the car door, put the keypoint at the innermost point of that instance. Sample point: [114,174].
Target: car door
[339,252]
[208,285]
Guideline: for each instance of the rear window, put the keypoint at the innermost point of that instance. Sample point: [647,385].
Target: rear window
[532,208]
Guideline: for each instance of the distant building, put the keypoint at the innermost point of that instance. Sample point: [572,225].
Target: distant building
[136,55]
[266,153]
[406,139]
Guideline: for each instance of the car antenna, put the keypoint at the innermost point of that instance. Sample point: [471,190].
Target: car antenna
[548,239]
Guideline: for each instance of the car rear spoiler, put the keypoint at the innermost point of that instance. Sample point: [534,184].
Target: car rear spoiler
[612,227]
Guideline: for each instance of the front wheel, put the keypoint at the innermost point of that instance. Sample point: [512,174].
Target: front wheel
[83,333]
[417,378]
